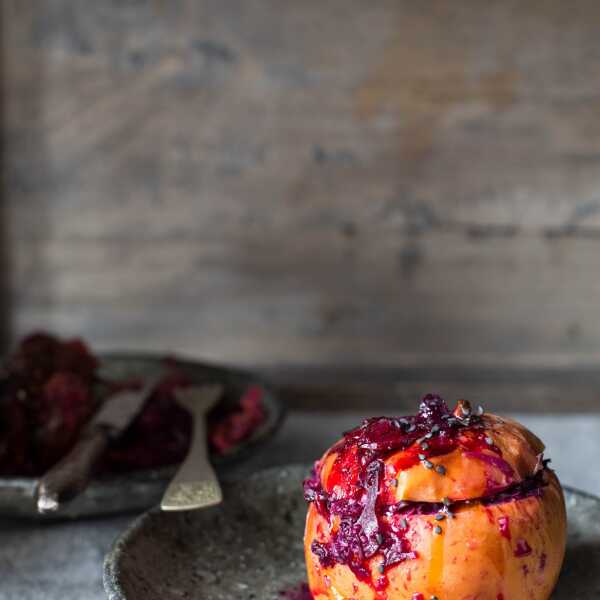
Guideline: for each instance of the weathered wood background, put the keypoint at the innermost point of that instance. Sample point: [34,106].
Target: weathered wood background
[332,182]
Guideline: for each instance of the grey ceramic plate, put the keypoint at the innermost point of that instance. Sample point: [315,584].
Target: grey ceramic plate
[141,489]
[251,547]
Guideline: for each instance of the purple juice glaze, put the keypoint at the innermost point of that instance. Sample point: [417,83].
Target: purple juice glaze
[299,592]
[531,486]
[522,548]
[498,463]
[504,527]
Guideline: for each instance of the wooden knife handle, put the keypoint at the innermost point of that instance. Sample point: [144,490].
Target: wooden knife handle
[69,477]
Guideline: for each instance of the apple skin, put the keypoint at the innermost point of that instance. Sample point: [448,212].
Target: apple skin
[510,550]
[471,560]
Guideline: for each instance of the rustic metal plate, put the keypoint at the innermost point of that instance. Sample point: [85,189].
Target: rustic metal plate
[251,546]
[139,490]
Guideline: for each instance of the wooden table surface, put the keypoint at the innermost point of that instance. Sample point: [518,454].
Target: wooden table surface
[500,387]
[318,182]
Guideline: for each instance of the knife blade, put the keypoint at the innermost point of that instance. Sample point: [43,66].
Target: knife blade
[70,476]
[118,411]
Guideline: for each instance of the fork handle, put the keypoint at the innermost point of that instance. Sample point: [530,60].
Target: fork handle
[195,484]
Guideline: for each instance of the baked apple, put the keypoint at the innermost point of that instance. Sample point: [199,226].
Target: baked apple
[437,506]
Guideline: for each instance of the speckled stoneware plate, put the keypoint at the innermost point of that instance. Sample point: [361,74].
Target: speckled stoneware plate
[139,490]
[251,546]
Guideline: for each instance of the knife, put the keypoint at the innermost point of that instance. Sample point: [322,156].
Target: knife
[70,476]
[195,484]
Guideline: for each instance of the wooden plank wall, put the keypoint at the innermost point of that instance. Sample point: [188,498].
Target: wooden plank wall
[331,182]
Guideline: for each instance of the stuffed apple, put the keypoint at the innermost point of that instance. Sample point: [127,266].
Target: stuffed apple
[441,505]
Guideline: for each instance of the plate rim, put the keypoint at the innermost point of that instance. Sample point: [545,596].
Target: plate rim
[110,566]
[278,410]
[277,416]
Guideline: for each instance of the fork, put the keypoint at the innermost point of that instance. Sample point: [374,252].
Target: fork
[195,484]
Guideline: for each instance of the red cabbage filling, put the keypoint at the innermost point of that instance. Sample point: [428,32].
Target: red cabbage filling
[47,396]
